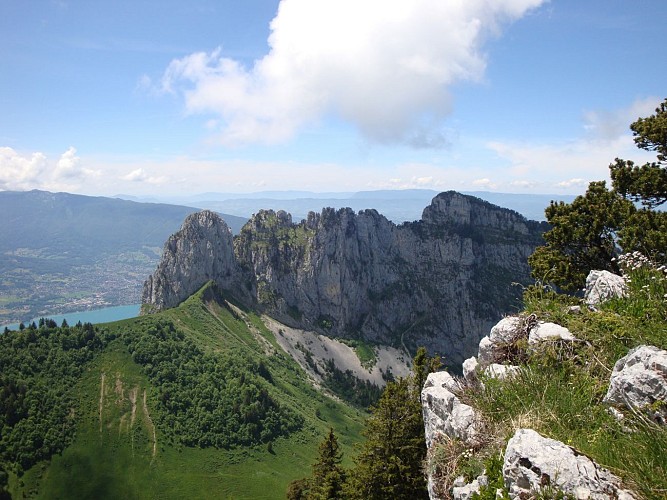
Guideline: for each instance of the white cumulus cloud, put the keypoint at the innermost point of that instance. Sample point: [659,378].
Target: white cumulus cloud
[485,183]
[19,172]
[140,175]
[570,165]
[577,182]
[385,66]
[69,165]
[609,125]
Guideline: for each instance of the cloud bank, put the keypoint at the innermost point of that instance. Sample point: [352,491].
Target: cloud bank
[35,171]
[385,66]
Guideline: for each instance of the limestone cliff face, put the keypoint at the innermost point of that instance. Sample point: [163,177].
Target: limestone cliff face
[200,251]
[440,282]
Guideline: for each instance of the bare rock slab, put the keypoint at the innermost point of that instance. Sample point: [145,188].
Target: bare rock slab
[549,331]
[501,372]
[639,380]
[602,286]
[502,332]
[443,411]
[534,462]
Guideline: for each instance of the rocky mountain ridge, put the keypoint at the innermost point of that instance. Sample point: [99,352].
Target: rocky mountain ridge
[439,282]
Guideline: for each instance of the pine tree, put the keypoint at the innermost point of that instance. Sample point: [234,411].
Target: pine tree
[391,460]
[589,232]
[328,474]
[389,464]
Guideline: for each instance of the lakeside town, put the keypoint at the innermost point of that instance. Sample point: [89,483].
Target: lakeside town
[112,280]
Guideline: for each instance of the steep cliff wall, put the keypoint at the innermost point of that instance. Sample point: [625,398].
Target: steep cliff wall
[440,282]
[201,250]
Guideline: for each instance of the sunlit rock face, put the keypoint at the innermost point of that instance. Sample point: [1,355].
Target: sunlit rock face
[200,251]
[440,282]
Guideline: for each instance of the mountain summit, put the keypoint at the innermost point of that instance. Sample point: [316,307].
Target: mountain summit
[440,282]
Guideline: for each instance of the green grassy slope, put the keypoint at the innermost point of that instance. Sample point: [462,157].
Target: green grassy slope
[125,448]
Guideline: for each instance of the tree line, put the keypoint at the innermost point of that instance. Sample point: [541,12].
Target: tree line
[39,367]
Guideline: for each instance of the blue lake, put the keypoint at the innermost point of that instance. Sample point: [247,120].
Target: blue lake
[104,315]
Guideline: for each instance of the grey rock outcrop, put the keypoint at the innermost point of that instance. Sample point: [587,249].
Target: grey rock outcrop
[470,368]
[506,331]
[533,462]
[466,491]
[444,413]
[200,251]
[438,282]
[639,380]
[502,333]
[602,286]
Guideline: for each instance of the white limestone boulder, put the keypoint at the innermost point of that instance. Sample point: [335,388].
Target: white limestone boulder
[444,413]
[485,351]
[466,491]
[602,286]
[639,380]
[502,333]
[501,372]
[470,368]
[505,330]
[549,331]
[442,379]
[533,462]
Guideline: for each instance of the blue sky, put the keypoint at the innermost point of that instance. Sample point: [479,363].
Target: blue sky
[166,98]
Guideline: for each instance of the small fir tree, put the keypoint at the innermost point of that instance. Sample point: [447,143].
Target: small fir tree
[328,474]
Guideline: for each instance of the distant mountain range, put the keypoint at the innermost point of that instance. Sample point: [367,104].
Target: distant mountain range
[397,205]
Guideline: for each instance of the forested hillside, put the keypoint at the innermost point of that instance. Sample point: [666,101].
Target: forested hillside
[196,401]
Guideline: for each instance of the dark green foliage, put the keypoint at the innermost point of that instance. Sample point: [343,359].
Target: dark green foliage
[651,132]
[298,489]
[360,393]
[582,237]
[390,462]
[422,365]
[40,367]
[646,183]
[645,230]
[207,399]
[4,480]
[494,471]
[328,474]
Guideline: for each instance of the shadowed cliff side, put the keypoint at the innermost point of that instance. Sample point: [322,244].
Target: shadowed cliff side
[440,282]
